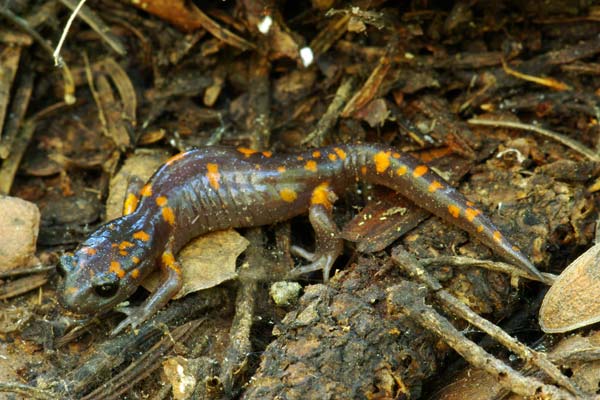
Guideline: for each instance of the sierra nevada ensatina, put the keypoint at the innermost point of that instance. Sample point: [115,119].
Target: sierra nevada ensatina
[209,189]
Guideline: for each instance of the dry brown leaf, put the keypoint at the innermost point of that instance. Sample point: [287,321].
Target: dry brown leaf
[206,261]
[572,302]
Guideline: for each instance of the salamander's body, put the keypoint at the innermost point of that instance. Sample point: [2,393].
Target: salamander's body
[209,189]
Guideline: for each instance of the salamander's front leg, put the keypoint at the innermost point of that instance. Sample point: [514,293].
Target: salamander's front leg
[169,286]
[134,186]
[328,244]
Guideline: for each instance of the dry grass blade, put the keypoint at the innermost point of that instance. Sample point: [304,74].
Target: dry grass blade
[572,144]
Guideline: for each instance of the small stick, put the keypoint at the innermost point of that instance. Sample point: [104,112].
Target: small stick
[328,120]
[410,265]
[407,298]
[56,54]
[498,266]
[572,144]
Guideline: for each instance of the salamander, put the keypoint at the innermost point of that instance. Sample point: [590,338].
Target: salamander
[208,189]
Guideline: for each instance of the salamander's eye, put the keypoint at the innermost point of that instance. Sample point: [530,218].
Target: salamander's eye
[106,290]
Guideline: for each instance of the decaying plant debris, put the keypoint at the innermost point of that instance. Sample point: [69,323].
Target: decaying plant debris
[501,98]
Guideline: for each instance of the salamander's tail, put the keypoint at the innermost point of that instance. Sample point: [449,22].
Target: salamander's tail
[424,187]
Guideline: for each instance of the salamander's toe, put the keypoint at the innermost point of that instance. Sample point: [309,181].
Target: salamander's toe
[135,317]
[321,263]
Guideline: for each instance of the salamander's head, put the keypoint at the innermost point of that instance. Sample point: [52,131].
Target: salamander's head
[105,269]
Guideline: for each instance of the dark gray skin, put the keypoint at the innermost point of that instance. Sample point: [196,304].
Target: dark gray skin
[209,189]
[92,293]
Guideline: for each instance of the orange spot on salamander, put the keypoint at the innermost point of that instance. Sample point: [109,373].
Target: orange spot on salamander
[130,204]
[135,273]
[382,161]
[434,186]
[213,175]
[288,195]
[90,251]
[454,210]
[497,236]
[161,201]
[246,151]
[480,229]
[267,153]
[124,245]
[168,261]
[299,158]
[340,153]
[471,213]
[141,235]
[116,268]
[401,170]
[175,158]
[311,166]
[71,290]
[420,170]
[322,195]
[146,190]
[470,203]
[396,155]
[281,169]
[316,154]
[123,252]
[332,156]
[135,260]
[168,215]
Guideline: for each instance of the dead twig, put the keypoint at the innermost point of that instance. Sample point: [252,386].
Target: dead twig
[498,266]
[11,163]
[69,84]
[144,365]
[408,299]
[572,144]
[56,54]
[18,110]
[94,21]
[410,265]
[548,82]
[370,87]
[236,357]
[27,391]
[328,120]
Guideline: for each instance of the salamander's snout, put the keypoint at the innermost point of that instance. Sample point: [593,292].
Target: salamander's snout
[86,287]
[71,292]
[65,268]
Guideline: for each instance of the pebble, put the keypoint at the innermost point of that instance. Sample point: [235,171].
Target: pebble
[19,226]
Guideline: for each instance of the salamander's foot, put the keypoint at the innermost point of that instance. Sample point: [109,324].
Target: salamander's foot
[135,317]
[328,241]
[170,284]
[322,262]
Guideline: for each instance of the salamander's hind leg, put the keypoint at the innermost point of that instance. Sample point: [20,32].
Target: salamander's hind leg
[134,186]
[329,243]
[170,284]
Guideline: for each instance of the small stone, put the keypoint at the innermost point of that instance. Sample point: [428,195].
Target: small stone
[19,226]
[285,293]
